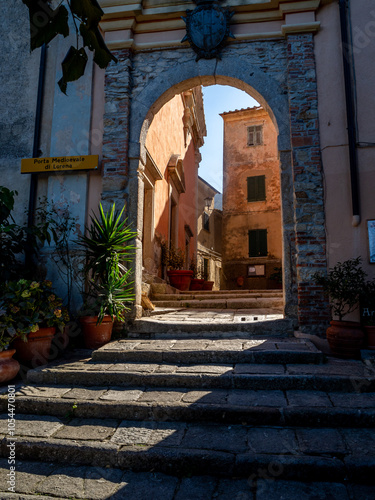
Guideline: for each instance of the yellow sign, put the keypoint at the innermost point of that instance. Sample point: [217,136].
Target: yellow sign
[58,164]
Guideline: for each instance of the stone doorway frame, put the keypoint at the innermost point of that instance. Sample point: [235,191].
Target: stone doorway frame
[284,96]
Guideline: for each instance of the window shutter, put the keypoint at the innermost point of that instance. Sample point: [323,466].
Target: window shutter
[250,136]
[258,243]
[256,188]
[255,135]
[262,242]
[259,138]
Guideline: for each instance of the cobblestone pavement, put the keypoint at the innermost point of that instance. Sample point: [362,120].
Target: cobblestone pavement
[48,481]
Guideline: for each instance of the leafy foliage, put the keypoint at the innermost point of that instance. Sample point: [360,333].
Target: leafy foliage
[18,240]
[367,300]
[63,228]
[46,23]
[173,258]
[25,306]
[107,246]
[343,284]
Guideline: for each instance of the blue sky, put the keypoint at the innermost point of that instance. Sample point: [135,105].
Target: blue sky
[217,99]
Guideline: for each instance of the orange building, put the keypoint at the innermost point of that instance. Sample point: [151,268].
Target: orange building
[171,178]
[251,245]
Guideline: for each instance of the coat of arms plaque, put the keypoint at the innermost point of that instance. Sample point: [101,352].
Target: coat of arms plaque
[207,28]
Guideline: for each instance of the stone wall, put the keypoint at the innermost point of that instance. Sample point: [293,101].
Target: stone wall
[281,76]
[307,179]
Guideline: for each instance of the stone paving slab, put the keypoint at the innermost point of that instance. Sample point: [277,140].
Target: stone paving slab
[97,437]
[210,351]
[223,323]
[347,375]
[95,483]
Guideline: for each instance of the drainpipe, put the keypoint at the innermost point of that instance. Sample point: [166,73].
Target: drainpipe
[36,143]
[350,113]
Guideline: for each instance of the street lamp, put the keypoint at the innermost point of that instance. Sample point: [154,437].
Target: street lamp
[207,202]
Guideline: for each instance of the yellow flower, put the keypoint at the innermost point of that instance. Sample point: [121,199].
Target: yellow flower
[34,328]
[57,313]
[34,284]
[25,294]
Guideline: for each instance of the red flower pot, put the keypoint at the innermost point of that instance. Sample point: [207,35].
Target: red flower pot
[94,335]
[207,285]
[9,367]
[180,279]
[345,338]
[196,284]
[34,352]
[370,336]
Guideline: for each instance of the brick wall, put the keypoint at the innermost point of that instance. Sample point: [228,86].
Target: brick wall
[307,179]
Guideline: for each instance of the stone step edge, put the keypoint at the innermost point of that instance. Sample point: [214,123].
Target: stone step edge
[281,327]
[256,382]
[193,296]
[271,303]
[178,461]
[297,416]
[93,472]
[211,356]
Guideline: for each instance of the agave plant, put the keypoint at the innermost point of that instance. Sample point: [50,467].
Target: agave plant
[108,248]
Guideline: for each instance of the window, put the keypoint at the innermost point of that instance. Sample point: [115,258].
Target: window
[206,221]
[206,268]
[255,135]
[258,243]
[256,188]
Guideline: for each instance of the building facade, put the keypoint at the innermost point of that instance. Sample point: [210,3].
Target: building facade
[171,179]
[209,233]
[252,237]
[306,65]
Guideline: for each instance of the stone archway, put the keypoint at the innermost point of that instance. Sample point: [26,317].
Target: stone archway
[278,74]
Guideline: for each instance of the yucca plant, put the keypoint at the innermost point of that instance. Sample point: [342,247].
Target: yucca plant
[108,249]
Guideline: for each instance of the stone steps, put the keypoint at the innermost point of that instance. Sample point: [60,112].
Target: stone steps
[223,303]
[238,376]
[268,407]
[264,350]
[214,407]
[182,449]
[97,482]
[219,295]
[261,323]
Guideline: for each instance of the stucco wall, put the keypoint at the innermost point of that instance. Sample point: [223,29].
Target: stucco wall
[18,88]
[345,241]
[165,138]
[239,215]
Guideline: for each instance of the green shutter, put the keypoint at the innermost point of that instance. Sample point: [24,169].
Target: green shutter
[256,188]
[258,243]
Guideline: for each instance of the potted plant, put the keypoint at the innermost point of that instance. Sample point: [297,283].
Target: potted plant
[368,313]
[107,249]
[174,258]
[343,285]
[195,283]
[277,277]
[9,367]
[31,312]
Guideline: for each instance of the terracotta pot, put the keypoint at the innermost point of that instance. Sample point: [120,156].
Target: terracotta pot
[9,367]
[345,338]
[207,285]
[180,279]
[94,335]
[34,352]
[370,336]
[196,284]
